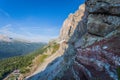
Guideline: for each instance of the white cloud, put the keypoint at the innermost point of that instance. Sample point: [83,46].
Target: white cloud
[5,29]
[51,29]
[29,33]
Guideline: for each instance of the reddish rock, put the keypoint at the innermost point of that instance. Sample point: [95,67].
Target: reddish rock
[101,59]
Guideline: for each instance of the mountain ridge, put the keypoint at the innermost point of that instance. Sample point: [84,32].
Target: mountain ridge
[91,50]
[17,48]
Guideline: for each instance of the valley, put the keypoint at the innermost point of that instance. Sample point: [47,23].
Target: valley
[17,48]
[28,64]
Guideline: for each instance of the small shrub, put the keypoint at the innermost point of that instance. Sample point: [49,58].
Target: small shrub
[55,47]
[24,70]
[118,72]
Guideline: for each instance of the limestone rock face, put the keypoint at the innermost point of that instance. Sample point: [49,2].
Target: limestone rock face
[100,59]
[70,24]
[104,16]
[95,54]
[90,42]
[102,24]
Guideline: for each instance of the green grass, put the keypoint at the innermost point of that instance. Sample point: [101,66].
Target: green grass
[24,70]
[20,62]
[42,58]
[118,71]
[55,47]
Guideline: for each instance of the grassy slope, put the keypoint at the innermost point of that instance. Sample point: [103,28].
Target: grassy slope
[24,63]
[19,62]
[17,48]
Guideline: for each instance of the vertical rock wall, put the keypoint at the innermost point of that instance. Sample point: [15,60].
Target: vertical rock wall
[90,40]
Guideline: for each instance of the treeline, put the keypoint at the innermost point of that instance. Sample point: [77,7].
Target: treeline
[17,48]
[20,62]
[24,63]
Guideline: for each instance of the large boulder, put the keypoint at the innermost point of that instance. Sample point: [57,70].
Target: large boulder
[104,6]
[104,16]
[101,24]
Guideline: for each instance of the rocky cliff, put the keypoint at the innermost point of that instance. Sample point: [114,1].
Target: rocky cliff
[90,42]
[71,23]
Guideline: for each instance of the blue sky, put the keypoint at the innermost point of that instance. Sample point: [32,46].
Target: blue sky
[35,20]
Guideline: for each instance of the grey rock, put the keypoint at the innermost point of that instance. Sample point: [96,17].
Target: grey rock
[71,23]
[102,25]
[104,6]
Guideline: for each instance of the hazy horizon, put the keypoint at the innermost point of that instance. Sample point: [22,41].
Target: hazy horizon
[37,21]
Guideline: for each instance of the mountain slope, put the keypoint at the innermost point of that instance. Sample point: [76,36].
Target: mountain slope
[17,48]
[22,65]
[91,48]
[58,63]
[5,38]
[30,64]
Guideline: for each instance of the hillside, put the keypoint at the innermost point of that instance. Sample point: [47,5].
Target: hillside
[89,44]
[17,48]
[29,64]
[23,64]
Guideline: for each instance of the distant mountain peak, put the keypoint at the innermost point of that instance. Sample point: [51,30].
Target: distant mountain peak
[5,38]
